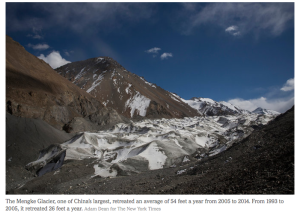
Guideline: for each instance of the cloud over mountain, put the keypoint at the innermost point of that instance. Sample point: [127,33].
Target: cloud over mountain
[54,59]
[280,105]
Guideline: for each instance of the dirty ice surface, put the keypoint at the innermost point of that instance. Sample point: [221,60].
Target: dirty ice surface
[155,144]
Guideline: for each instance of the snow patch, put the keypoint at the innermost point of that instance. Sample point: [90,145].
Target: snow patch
[127,89]
[80,74]
[98,60]
[229,105]
[186,159]
[104,172]
[155,156]
[150,84]
[179,172]
[96,82]
[176,97]
[138,102]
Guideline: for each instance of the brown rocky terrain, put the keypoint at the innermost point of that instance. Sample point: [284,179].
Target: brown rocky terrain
[35,90]
[128,93]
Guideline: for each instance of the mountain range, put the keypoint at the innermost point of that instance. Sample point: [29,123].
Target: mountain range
[131,95]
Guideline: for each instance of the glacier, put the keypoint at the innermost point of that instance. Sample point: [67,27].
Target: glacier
[150,144]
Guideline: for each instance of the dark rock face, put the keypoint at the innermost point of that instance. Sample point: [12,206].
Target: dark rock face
[106,116]
[99,120]
[157,110]
[129,94]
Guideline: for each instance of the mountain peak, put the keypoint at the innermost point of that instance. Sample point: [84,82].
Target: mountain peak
[209,107]
[128,93]
[263,111]
[106,59]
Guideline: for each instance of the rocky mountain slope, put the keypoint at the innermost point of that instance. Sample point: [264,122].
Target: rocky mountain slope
[35,90]
[128,93]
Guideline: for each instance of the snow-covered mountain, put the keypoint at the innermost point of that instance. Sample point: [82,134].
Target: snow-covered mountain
[209,107]
[262,111]
[128,93]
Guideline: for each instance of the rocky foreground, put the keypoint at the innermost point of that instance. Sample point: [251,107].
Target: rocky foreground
[263,163]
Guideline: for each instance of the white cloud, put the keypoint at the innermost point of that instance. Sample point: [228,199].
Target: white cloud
[67,53]
[166,55]
[280,105]
[233,30]
[153,50]
[39,46]
[54,59]
[289,85]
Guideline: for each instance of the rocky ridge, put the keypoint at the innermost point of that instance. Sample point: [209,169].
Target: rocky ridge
[129,94]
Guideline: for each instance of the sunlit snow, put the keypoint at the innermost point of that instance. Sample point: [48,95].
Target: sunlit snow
[96,82]
[138,103]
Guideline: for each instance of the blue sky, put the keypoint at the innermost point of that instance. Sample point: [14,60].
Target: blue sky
[237,52]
